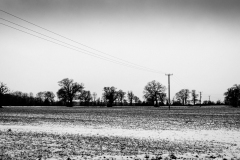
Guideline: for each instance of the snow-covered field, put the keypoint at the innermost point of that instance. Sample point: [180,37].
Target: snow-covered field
[183,132]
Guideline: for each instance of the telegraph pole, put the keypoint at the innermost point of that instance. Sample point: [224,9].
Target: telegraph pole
[200,98]
[169,89]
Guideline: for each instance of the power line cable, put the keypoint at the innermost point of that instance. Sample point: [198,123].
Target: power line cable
[78,42]
[176,82]
[94,55]
[50,37]
[181,81]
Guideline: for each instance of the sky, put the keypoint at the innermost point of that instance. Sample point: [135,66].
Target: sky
[198,41]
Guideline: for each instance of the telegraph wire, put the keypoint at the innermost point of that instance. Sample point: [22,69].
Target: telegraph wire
[160,72]
[91,54]
[51,37]
[42,38]
[177,81]
[65,46]
[66,43]
[181,81]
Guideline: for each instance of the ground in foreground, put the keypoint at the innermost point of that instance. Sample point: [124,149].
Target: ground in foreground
[123,133]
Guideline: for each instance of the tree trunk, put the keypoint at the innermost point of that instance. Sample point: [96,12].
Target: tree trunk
[110,103]
[1,101]
[157,104]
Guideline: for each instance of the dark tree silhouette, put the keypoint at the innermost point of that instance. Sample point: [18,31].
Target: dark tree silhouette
[85,96]
[19,98]
[3,90]
[130,96]
[69,90]
[183,95]
[62,95]
[180,97]
[136,99]
[155,92]
[121,96]
[232,96]
[46,97]
[194,96]
[110,95]
[49,97]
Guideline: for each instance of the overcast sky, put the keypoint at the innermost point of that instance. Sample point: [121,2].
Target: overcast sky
[198,41]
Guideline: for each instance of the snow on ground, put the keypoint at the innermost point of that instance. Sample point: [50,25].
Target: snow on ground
[222,136]
[225,136]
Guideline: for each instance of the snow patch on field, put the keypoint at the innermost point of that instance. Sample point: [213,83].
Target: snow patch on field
[225,136]
[230,138]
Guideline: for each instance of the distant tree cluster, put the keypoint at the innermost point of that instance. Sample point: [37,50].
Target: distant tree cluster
[72,93]
[3,90]
[232,96]
[187,97]
[18,98]
[183,95]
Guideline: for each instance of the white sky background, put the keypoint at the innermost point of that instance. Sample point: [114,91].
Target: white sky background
[196,40]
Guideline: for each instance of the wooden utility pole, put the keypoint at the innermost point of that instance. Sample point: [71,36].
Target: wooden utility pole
[169,89]
[200,98]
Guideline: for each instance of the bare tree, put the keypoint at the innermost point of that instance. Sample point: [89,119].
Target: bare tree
[110,95]
[130,96]
[179,96]
[183,95]
[86,97]
[232,96]
[46,97]
[136,99]
[69,90]
[49,97]
[62,95]
[194,96]
[155,91]
[3,90]
[121,96]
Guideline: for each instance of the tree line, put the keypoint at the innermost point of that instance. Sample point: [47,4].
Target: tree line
[73,93]
[70,91]
[187,97]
